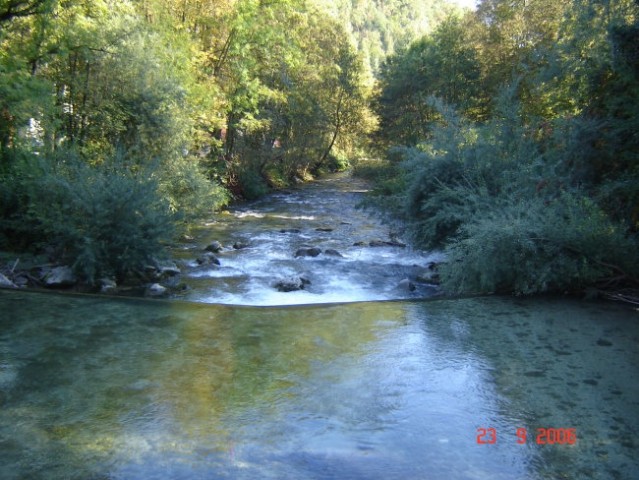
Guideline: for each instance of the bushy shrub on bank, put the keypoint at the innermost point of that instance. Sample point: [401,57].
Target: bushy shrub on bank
[514,209]
[105,220]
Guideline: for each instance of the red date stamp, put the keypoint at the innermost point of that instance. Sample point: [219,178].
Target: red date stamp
[544,436]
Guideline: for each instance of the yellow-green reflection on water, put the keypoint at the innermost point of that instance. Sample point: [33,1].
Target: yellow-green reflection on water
[96,388]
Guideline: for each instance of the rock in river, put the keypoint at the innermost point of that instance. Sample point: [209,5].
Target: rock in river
[208,259]
[407,285]
[155,290]
[308,252]
[59,277]
[6,283]
[214,247]
[290,284]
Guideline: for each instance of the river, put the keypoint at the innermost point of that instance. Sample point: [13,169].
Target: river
[97,388]
[322,215]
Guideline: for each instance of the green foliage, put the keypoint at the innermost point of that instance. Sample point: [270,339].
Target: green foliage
[533,187]
[190,194]
[442,64]
[104,220]
[530,246]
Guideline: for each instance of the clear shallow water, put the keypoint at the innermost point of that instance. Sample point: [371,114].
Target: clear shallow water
[248,276]
[97,388]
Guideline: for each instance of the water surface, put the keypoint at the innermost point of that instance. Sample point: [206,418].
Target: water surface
[97,388]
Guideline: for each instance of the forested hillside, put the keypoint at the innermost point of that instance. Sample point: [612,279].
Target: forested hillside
[513,140]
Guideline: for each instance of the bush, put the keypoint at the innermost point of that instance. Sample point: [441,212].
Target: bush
[529,246]
[252,184]
[513,212]
[104,220]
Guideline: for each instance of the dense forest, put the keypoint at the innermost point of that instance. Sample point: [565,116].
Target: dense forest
[513,140]
[508,134]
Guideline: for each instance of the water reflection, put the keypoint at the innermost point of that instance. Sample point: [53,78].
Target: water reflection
[96,388]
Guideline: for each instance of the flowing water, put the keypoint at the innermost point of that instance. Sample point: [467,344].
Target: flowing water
[321,215]
[97,388]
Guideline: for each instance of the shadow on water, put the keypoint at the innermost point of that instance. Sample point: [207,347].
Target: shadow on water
[99,388]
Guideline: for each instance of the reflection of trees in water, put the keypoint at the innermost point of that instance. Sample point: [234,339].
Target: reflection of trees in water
[237,367]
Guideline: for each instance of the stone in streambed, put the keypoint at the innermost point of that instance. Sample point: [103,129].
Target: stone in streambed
[307,252]
[168,269]
[155,290]
[214,247]
[407,285]
[59,277]
[428,274]
[383,243]
[107,285]
[332,252]
[240,245]
[208,259]
[290,230]
[290,284]
[6,283]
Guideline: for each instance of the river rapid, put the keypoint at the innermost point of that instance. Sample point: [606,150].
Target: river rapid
[322,215]
[418,388]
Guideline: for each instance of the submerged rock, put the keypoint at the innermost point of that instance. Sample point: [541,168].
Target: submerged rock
[59,277]
[332,252]
[308,252]
[290,230]
[323,229]
[240,245]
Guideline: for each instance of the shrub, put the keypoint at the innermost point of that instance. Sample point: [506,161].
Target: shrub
[105,220]
[529,246]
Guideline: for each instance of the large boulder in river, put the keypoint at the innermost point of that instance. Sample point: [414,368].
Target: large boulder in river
[307,252]
[59,277]
[214,247]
